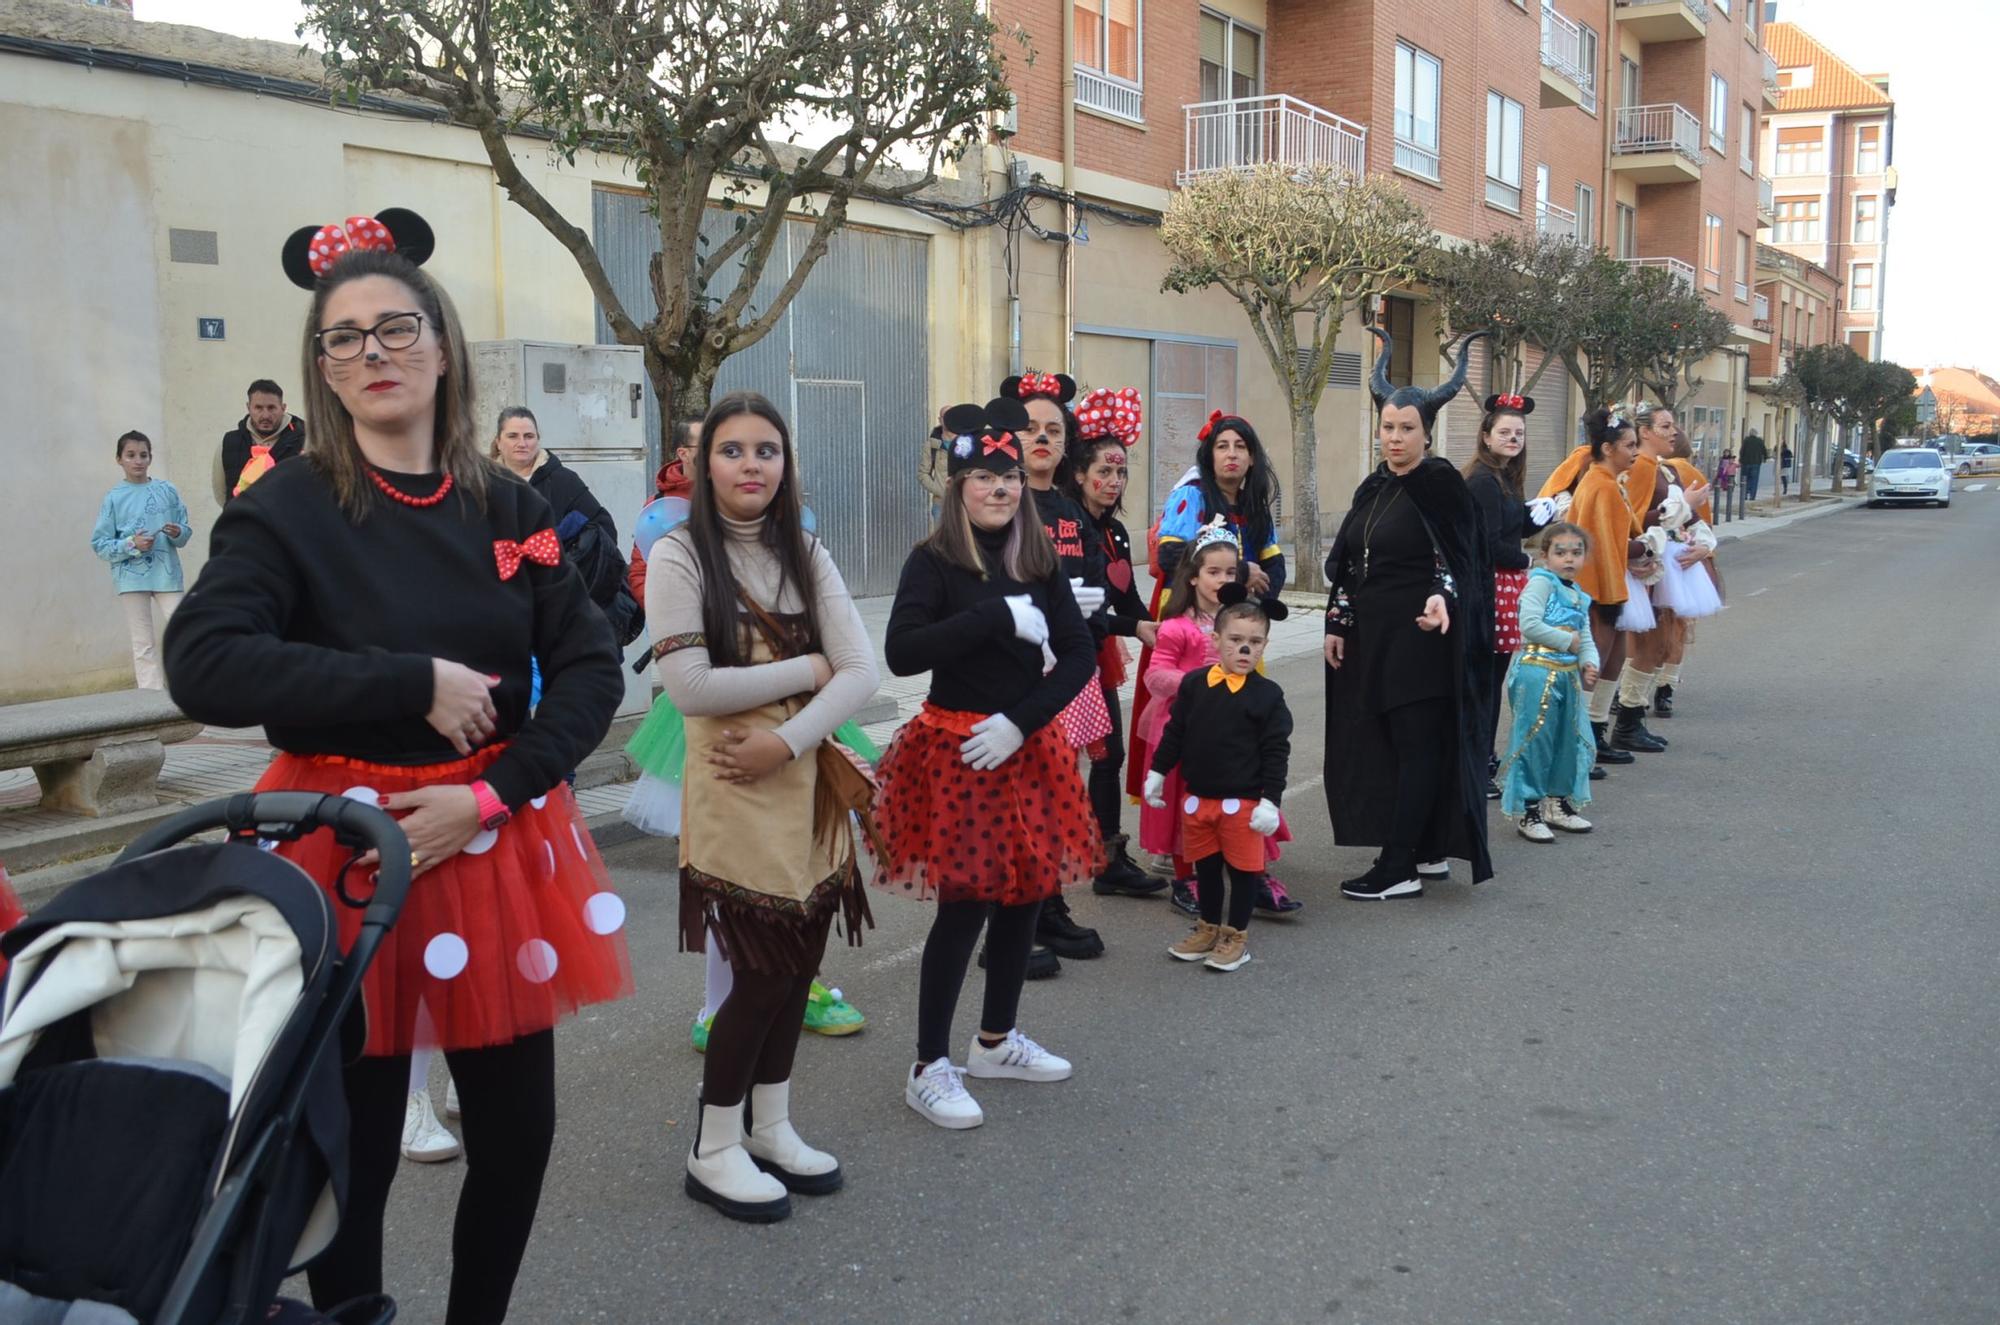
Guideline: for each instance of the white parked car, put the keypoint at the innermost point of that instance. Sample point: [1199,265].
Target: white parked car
[1910,474]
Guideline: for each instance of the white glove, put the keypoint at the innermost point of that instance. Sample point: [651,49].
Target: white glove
[1563,501]
[994,741]
[1088,600]
[1155,793]
[1542,510]
[1264,819]
[1030,626]
[1048,659]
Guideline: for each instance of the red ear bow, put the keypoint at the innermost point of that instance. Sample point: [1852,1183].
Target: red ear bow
[330,243]
[1038,384]
[1511,402]
[1208,429]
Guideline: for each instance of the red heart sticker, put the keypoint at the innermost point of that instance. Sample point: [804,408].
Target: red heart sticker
[1120,575]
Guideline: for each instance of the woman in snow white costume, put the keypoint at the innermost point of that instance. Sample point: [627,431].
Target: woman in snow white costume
[375,606]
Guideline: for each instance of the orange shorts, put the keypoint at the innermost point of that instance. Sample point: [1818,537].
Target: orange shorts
[1212,826]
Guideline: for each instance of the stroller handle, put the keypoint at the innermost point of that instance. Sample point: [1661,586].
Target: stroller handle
[286,816]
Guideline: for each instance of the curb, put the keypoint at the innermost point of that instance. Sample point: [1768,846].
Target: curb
[1770,523]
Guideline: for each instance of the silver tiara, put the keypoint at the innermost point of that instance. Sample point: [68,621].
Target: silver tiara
[1216,531]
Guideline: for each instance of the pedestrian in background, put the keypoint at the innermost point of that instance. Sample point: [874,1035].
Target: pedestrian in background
[1785,470]
[267,435]
[140,526]
[1752,461]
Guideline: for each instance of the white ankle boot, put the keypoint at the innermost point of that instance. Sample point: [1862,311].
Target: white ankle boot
[775,1145]
[721,1173]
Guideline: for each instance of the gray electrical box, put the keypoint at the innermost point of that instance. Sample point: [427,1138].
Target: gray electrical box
[589,404]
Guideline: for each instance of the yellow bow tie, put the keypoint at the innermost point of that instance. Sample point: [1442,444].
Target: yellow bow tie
[1216,677]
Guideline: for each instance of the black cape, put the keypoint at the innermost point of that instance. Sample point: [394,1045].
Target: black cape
[1359,794]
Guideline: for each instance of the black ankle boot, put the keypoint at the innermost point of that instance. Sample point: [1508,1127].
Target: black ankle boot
[1058,932]
[1122,876]
[1639,716]
[1663,702]
[1607,753]
[1628,734]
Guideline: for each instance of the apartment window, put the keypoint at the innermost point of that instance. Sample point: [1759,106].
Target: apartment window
[1232,59]
[1868,150]
[1801,151]
[1628,83]
[1590,66]
[1742,268]
[1746,151]
[1586,215]
[1628,231]
[1108,65]
[1418,78]
[1867,218]
[1861,287]
[1796,76]
[1863,343]
[1718,113]
[1711,252]
[1722,5]
[1798,221]
[1503,152]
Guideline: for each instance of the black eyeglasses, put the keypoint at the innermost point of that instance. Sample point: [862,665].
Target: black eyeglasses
[398,331]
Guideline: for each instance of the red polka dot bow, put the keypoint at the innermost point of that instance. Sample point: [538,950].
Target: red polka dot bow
[1110,412]
[1038,384]
[1207,429]
[330,243]
[1510,402]
[540,548]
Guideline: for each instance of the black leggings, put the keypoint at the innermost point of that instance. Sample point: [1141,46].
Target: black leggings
[508,1093]
[1107,781]
[1010,933]
[755,1035]
[1243,890]
[1422,735]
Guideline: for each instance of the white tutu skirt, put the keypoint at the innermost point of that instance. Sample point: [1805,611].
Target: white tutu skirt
[1638,614]
[654,807]
[1687,591]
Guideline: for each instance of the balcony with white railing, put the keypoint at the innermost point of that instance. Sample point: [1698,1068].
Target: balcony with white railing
[1658,144]
[1664,20]
[1251,131]
[1767,200]
[1760,311]
[1566,79]
[1771,92]
[1681,272]
[1553,220]
[1742,292]
[1113,96]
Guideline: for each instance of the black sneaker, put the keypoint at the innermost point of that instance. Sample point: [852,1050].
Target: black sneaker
[1184,899]
[1056,930]
[1492,790]
[1383,882]
[1041,963]
[1597,773]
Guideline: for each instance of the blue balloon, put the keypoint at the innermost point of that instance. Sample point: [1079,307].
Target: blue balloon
[808,519]
[661,516]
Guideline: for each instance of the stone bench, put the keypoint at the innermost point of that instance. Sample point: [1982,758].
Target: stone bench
[95,755]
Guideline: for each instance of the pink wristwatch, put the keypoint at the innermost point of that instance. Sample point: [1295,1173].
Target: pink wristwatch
[493,811]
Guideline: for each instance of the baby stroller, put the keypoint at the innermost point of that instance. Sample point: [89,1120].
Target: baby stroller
[173,1136]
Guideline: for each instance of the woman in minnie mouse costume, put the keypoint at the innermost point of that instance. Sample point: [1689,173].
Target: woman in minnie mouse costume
[375,608]
[981,807]
[1046,444]
[1108,424]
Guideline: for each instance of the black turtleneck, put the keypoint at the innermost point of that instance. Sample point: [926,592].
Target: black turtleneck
[953,624]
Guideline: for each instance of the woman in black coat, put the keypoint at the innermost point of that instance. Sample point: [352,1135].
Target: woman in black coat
[588,533]
[1409,647]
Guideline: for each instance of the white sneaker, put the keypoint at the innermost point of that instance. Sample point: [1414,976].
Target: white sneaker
[1434,869]
[1018,1057]
[1532,827]
[938,1093]
[451,1109]
[425,1139]
[1559,814]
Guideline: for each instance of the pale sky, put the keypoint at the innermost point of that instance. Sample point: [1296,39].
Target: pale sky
[1939,294]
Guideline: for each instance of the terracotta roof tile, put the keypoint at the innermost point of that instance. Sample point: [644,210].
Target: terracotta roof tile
[1836,84]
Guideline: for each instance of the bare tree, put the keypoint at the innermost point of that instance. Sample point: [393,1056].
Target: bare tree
[788,108]
[1299,248]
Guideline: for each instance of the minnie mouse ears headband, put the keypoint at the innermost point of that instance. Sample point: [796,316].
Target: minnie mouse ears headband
[1271,609]
[1110,412]
[1059,387]
[1522,405]
[312,251]
[982,436]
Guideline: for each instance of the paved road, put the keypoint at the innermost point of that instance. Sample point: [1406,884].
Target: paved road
[1730,1059]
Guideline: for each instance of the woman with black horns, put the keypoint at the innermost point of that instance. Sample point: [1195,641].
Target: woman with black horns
[1409,625]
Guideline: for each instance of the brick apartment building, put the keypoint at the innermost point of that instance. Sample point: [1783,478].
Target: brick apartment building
[1633,125]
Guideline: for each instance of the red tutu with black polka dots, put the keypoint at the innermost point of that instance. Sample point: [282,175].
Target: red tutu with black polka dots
[1507,586]
[1018,833]
[506,938]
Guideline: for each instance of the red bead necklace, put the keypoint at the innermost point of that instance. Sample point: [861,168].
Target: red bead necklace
[395,493]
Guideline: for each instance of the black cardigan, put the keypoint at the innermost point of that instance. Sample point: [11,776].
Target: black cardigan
[1506,517]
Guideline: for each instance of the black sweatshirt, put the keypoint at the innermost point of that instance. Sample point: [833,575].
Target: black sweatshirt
[1228,743]
[1506,517]
[323,630]
[1124,608]
[1081,554]
[954,625]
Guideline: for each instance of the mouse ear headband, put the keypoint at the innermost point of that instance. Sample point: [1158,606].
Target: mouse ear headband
[311,251]
[1271,609]
[1059,387]
[1512,404]
[1112,412]
[983,436]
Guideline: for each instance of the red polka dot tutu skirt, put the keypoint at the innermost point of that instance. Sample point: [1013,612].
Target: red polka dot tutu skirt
[1018,833]
[506,938]
[1507,586]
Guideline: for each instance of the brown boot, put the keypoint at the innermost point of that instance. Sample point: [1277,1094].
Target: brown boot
[1199,943]
[1231,950]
